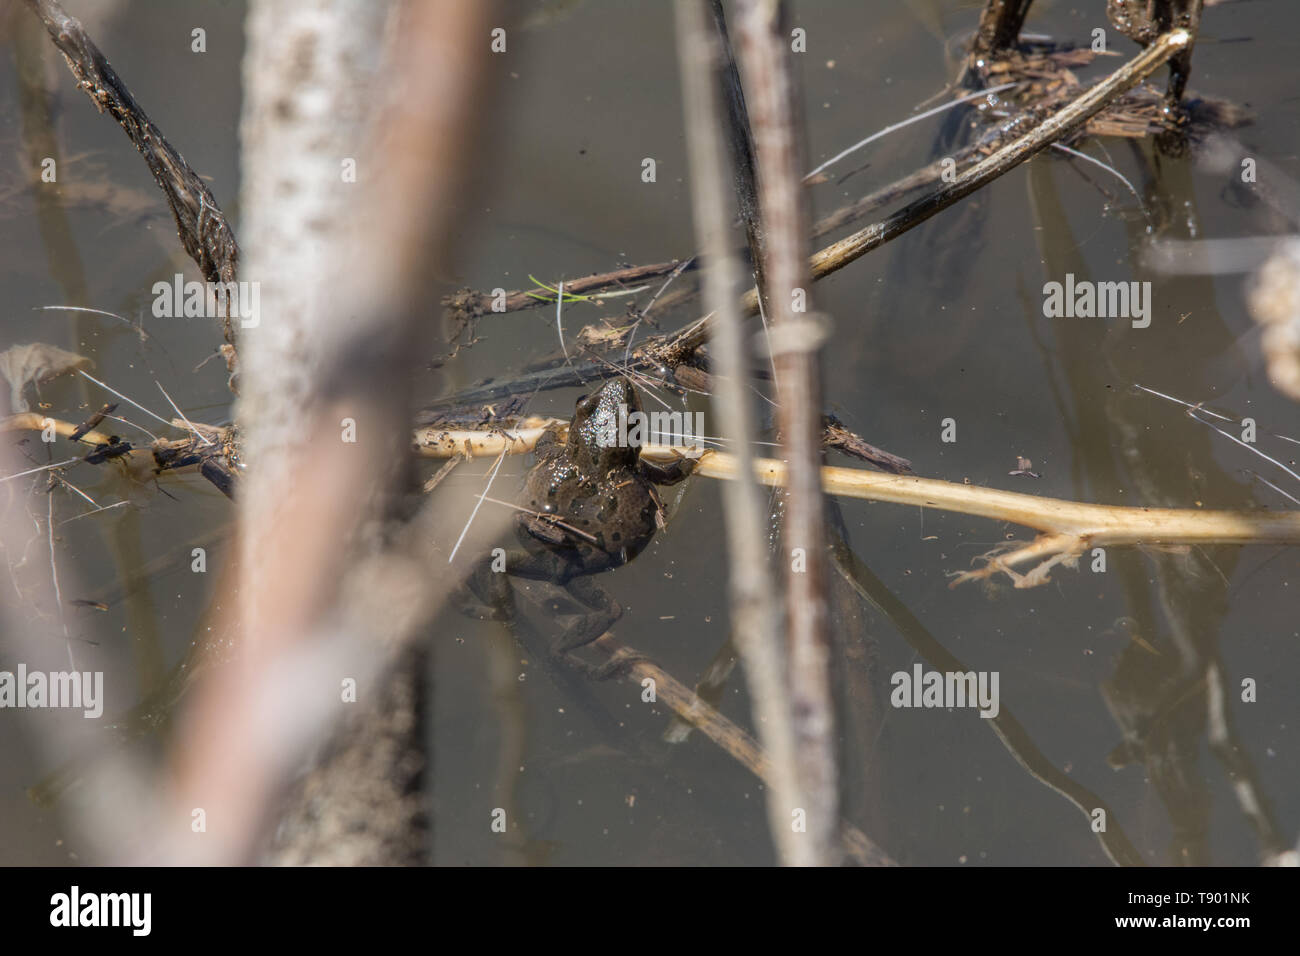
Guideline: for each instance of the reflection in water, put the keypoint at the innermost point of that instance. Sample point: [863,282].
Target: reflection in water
[1158,691]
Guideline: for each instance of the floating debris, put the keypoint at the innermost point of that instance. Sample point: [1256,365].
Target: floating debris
[1024,467]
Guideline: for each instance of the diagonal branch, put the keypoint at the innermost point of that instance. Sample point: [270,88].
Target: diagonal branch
[203,230]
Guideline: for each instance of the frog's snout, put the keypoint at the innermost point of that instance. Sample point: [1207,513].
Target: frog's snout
[605,402]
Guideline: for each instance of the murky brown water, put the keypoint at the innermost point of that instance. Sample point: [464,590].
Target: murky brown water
[944,323]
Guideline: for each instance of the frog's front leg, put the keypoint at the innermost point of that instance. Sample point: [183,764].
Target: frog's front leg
[669,473]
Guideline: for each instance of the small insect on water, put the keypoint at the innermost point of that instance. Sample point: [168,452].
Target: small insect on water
[1023,467]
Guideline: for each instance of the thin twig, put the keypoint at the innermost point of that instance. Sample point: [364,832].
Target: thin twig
[87,514]
[477,504]
[472,303]
[1246,445]
[1113,171]
[1200,407]
[895,127]
[642,314]
[54,571]
[188,424]
[124,398]
[751,592]
[795,338]
[33,471]
[559,321]
[1289,497]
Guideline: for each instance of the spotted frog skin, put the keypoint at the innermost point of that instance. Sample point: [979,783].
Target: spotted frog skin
[591,506]
[594,502]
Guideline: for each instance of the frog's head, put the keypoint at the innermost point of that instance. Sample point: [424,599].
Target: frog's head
[598,434]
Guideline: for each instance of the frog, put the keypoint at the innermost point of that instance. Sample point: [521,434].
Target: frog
[589,505]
